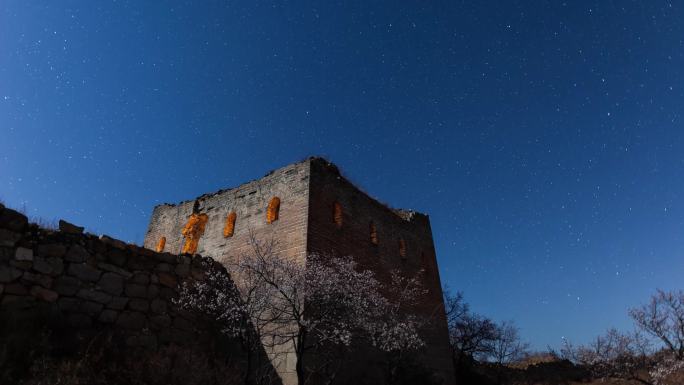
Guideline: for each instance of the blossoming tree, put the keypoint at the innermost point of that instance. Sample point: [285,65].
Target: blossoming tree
[321,305]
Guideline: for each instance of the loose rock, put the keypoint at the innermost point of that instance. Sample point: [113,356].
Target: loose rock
[69,228]
[13,220]
[23,254]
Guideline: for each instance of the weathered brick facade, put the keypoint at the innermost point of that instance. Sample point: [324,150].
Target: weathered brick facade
[320,212]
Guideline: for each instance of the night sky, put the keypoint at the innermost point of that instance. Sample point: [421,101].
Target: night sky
[543,138]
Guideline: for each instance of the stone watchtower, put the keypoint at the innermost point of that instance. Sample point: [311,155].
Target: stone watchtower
[309,207]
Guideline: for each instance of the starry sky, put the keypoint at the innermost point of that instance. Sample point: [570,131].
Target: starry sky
[543,138]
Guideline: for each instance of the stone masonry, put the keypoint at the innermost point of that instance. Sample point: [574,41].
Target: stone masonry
[319,212]
[96,282]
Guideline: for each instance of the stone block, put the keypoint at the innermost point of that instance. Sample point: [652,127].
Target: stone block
[115,243]
[160,321]
[22,265]
[94,295]
[9,274]
[84,271]
[68,305]
[69,228]
[16,289]
[77,253]
[42,280]
[137,262]
[23,254]
[147,341]
[9,238]
[135,290]
[117,256]
[13,220]
[79,320]
[51,266]
[65,285]
[197,273]
[108,316]
[96,246]
[131,320]
[138,304]
[164,268]
[115,269]
[17,301]
[182,269]
[166,293]
[6,253]
[171,335]
[117,303]
[167,280]
[167,258]
[111,283]
[44,294]
[144,252]
[141,278]
[158,306]
[152,291]
[91,308]
[51,250]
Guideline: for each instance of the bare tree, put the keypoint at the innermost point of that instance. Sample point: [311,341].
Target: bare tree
[632,356]
[508,347]
[663,318]
[471,336]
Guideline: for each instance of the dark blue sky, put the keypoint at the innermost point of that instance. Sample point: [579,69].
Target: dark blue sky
[544,138]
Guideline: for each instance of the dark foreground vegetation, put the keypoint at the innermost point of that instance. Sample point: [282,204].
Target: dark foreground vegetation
[486,353]
[37,348]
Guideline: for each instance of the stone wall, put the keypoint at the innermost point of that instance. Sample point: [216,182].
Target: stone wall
[395,229]
[95,281]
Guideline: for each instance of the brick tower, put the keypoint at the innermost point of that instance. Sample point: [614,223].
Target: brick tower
[309,207]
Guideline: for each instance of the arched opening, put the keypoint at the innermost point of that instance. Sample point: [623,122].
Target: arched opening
[192,231]
[160,245]
[273,209]
[229,228]
[373,233]
[402,248]
[337,214]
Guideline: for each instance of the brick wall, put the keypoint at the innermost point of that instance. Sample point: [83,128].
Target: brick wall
[249,201]
[353,238]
